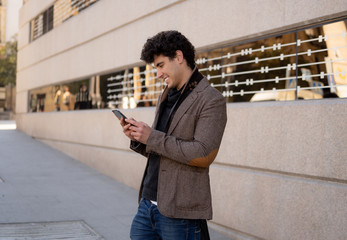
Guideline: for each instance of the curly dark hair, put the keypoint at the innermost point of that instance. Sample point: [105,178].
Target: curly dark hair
[167,43]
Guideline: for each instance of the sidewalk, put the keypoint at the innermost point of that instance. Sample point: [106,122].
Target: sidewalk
[44,194]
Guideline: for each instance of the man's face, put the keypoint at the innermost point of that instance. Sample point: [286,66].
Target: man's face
[169,70]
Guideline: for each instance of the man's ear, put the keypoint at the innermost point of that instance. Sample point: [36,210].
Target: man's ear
[179,56]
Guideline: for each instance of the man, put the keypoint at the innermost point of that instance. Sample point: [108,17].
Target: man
[175,195]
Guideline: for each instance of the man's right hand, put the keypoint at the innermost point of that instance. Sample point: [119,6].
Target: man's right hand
[126,129]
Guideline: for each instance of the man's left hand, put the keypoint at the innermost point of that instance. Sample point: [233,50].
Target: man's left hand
[140,130]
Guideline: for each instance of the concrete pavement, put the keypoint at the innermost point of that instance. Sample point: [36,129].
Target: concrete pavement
[45,194]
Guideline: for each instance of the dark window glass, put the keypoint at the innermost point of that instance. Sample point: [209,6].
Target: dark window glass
[48,20]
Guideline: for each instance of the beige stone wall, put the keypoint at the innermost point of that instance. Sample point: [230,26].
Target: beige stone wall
[281,172]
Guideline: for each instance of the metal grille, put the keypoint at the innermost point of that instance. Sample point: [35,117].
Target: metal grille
[48,230]
[302,65]
[134,87]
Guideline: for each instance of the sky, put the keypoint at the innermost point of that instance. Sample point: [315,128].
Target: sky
[12,16]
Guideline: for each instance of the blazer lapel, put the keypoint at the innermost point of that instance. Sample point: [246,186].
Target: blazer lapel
[187,103]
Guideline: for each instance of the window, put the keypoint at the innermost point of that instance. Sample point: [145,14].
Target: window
[306,64]
[55,15]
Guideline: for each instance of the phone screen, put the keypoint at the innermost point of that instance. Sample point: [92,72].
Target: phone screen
[119,114]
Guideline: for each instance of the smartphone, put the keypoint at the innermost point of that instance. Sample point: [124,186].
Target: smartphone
[119,114]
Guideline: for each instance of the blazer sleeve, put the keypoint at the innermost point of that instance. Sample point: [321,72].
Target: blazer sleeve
[203,147]
[139,148]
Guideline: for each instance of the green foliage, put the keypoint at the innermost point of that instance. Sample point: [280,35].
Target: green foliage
[8,63]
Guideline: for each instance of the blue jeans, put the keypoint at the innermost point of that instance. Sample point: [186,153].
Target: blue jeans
[149,224]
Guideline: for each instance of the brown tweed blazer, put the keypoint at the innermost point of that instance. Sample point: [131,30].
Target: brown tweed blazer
[186,151]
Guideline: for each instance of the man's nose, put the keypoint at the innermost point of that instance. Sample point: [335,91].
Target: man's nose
[159,74]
